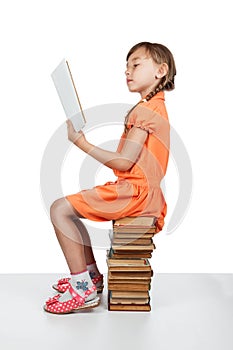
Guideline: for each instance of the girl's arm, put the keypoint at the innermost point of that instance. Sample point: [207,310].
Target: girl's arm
[123,160]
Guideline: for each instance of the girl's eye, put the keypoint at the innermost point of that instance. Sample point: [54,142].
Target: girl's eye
[135,65]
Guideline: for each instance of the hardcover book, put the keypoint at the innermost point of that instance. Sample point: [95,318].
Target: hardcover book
[148,247]
[128,264]
[123,301]
[131,241]
[130,255]
[130,275]
[141,221]
[129,294]
[135,235]
[131,307]
[118,285]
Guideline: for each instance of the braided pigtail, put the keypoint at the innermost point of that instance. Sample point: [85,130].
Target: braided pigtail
[154,92]
[127,117]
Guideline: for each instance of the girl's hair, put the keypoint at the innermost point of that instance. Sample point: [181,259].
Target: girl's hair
[160,54]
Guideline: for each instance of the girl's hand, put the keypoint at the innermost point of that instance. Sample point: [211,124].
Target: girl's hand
[77,137]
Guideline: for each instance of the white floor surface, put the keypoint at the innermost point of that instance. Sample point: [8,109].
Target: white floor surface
[189,311]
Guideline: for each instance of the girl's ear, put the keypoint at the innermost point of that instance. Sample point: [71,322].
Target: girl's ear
[162,70]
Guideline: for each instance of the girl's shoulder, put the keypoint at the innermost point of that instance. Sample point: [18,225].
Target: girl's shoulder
[156,103]
[152,108]
[146,118]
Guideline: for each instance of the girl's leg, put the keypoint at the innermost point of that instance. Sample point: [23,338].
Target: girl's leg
[88,251]
[72,235]
[73,238]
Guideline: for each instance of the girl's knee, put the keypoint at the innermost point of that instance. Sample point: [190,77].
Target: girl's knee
[57,208]
[61,209]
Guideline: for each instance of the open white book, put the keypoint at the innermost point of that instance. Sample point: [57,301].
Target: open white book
[68,95]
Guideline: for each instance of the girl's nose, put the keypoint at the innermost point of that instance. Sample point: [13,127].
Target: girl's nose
[127,72]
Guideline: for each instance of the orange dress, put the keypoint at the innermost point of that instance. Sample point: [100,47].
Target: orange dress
[136,192]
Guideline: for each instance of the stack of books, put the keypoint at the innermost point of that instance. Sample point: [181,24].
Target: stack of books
[129,269]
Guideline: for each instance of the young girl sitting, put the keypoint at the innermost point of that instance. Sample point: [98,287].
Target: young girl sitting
[139,163]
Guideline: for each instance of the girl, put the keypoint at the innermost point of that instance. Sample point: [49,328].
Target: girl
[139,163]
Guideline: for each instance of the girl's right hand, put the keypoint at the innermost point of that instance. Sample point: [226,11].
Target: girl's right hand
[76,137]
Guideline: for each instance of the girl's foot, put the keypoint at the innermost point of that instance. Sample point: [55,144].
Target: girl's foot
[74,303]
[81,293]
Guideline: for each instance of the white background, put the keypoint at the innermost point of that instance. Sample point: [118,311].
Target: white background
[96,36]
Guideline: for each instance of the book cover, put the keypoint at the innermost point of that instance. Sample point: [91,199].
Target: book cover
[145,281]
[67,92]
[129,301]
[141,221]
[126,262]
[131,255]
[127,247]
[131,241]
[129,287]
[128,265]
[129,294]
[135,230]
[130,275]
[122,255]
[131,307]
[130,234]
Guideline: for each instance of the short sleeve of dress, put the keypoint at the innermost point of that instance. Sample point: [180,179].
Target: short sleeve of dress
[144,118]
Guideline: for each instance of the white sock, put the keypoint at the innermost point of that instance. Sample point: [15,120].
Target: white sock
[93,270]
[80,282]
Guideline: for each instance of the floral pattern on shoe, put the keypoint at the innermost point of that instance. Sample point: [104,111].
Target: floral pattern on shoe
[83,285]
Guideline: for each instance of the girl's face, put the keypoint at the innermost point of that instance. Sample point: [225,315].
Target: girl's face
[140,72]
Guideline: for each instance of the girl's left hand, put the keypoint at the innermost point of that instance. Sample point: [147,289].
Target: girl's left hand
[77,137]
